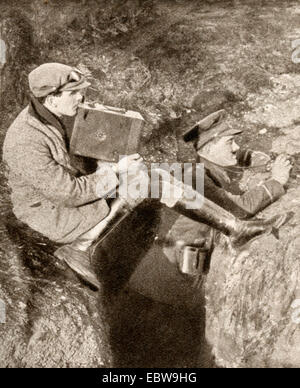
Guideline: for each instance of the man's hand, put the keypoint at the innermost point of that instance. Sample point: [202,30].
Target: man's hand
[281,169]
[124,164]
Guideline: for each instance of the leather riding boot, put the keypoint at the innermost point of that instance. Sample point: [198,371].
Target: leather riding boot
[215,216]
[199,209]
[120,209]
[249,230]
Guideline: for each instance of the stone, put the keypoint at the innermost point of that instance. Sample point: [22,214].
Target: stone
[263,131]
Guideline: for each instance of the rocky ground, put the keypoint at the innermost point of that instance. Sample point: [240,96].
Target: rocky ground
[174,61]
[253,295]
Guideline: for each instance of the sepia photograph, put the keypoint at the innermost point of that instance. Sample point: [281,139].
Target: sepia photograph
[149,186]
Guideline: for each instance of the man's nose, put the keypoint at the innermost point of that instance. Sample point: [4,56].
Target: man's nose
[80,97]
[235,147]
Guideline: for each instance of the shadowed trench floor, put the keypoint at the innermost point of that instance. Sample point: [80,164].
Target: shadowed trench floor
[152,334]
[158,319]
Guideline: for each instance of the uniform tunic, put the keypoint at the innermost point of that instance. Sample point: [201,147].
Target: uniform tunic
[217,186]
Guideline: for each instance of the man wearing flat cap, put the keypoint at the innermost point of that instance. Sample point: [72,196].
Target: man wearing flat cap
[48,193]
[53,198]
[214,143]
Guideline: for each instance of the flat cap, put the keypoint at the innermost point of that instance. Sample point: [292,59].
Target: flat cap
[209,128]
[52,77]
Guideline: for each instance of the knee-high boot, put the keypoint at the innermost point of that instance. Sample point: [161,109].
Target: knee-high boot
[217,217]
[208,213]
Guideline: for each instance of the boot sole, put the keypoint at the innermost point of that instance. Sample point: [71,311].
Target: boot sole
[84,275]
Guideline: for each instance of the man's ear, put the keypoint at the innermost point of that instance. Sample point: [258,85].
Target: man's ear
[49,100]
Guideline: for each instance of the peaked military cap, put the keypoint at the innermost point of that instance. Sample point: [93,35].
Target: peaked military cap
[209,128]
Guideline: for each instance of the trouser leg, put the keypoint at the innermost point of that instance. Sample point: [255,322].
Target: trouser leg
[195,207]
[184,200]
[118,211]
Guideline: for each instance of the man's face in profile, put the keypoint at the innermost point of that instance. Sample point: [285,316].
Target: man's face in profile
[67,103]
[221,151]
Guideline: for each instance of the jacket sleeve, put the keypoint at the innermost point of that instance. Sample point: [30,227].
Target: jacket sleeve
[247,204]
[34,164]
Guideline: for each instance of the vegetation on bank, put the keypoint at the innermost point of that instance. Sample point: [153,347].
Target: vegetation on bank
[163,58]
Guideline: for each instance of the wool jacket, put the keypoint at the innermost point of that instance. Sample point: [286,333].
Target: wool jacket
[47,192]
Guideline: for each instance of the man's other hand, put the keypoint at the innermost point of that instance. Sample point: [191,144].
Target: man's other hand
[281,168]
[126,161]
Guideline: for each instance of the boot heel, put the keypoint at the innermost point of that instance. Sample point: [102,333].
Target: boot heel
[242,241]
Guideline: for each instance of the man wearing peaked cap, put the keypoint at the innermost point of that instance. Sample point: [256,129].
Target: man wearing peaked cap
[205,125]
[211,127]
[214,142]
